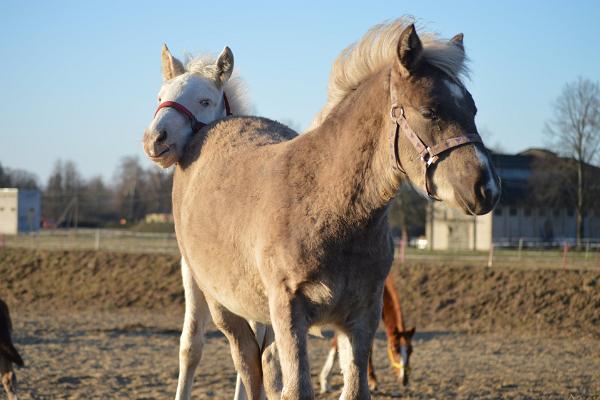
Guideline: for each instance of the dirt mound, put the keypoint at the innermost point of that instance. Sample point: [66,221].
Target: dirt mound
[89,280]
[479,299]
[434,296]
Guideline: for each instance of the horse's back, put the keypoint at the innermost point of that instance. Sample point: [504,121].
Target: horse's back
[236,134]
[218,192]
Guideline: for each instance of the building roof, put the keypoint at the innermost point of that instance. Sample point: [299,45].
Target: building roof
[516,170]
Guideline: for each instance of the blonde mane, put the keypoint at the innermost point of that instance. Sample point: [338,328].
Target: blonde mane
[237,94]
[377,50]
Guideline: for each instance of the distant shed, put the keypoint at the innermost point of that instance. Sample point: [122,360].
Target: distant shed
[20,210]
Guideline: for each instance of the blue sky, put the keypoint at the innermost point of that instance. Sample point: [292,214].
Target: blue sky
[79,78]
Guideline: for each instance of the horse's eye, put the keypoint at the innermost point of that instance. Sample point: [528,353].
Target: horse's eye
[428,113]
[205,102]
[159,100]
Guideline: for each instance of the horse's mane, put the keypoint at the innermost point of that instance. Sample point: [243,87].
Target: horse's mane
[234,88]
[377,50]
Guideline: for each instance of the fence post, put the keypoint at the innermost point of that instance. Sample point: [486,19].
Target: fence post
[97,240]
[520,247]
[587,249]
[491,256]
[565,251]
[402,249]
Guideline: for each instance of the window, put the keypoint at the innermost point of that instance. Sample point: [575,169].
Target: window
[513,211]
[542,212]
[498,211]
[527,212]
[556,212]
[570,212]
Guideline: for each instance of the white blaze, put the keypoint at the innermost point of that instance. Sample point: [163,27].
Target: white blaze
[456,90]
[491,184]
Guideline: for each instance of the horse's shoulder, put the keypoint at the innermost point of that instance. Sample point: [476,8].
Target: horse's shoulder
[257,131]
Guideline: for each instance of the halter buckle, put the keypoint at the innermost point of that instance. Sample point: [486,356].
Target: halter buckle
[393,111]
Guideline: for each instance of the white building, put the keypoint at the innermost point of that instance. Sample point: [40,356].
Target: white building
[20,210]
[516,218]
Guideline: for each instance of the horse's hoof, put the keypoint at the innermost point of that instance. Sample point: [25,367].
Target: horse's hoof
[373,386]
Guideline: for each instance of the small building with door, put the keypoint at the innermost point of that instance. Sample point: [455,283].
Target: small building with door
[518,215]
[20,210]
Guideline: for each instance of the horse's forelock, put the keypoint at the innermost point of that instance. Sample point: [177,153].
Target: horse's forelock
[204,65]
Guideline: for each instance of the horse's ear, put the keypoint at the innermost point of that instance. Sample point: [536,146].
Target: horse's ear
[224,65]
[458,41]
[411,332]
[410,50]
[171,67]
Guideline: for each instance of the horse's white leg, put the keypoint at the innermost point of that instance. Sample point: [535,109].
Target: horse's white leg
[244,348]
[270,366]
[290,325]
[354,345]
[192,335]
[328,367]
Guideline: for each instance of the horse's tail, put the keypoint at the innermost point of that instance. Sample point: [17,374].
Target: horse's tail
[8,351]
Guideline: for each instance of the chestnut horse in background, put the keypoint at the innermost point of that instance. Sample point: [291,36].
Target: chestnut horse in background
[399,346]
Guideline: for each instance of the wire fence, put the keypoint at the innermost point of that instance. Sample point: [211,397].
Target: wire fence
[525,255]
[94,239]
[522,253]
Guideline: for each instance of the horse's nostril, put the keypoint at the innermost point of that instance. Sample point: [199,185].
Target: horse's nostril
[162,136]
[485,191]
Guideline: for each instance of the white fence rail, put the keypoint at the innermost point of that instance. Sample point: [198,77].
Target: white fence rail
[522,253]
[94,239]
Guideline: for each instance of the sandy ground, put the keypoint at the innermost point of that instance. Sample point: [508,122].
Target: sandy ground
[105,325]
[130,354]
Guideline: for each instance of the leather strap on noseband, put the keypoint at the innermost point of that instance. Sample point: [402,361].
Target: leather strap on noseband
[196,125]
[429,155]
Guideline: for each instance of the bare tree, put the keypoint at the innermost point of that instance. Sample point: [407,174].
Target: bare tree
[131,183]
[23,179]
[575,132]
[4,178]
[61,196]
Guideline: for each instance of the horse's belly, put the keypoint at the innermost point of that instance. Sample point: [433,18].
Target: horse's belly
[233,288]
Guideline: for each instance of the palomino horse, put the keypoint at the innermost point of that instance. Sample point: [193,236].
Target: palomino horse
[291,230]
[8,354]
[399,346]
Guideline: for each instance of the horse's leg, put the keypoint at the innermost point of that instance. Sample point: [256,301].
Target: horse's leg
[371,373]
[244,348]
[290,325]
[392,320]
[260,332]
[354,344]
[192,335]
[270,366]
[328,367]
[9,379]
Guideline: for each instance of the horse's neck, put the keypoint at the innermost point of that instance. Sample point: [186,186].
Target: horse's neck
[357,170]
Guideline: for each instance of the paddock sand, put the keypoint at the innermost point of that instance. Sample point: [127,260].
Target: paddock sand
[106,326]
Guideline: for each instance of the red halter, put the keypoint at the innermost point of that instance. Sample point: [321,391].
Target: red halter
[428,154]
[196,125]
